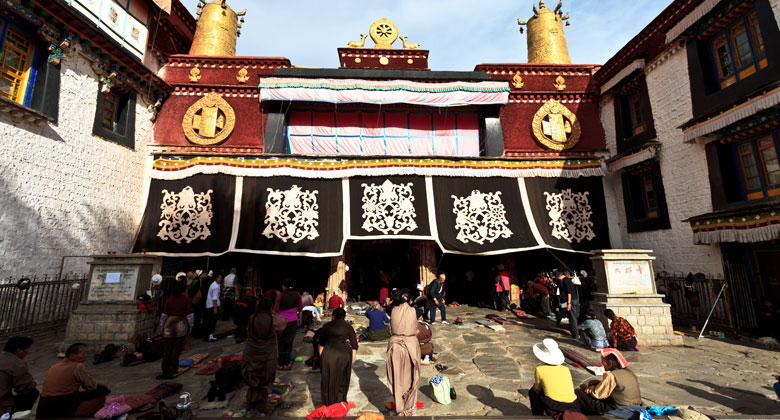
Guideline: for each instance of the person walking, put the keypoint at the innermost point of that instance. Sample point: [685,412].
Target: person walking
[570,304]
[436,294]
[17,386]
[260,357]
[501,281]
[212,309]
[553,389]
[337,348]
[229,294]
[176,323]
[403,356]
[198,301]
[288,304]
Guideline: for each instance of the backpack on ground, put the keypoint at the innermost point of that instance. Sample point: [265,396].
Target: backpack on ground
[441,389]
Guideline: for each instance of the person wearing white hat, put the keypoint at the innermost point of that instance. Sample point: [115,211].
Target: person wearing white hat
[553,390]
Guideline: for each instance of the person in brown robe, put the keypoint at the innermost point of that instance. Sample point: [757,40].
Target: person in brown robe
[260,356]
[61,396]
[403,356]
[337,347]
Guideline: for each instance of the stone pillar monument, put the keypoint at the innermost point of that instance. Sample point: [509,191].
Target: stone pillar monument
[108,313]
[626,284]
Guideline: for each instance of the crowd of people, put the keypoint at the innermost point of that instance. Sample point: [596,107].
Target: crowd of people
[191,303]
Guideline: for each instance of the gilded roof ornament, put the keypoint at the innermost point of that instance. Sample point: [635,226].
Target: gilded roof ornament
[384,33]
[546,39]
[218,28]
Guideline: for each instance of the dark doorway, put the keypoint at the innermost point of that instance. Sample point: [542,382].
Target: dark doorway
[367,257]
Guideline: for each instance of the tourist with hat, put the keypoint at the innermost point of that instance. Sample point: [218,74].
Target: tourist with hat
[618,387]
[553,390]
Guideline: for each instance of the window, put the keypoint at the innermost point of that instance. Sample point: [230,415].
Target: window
[738,51]
[633,116]
[637,122]
[16,66]
[758,161]
[115,117]
[643,196]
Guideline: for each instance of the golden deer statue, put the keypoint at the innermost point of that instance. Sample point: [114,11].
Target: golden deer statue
[409,45]
[358,44]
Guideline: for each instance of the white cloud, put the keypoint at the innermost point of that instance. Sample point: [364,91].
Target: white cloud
[459,33]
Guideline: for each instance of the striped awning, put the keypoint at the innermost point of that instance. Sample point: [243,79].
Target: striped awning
[726,118]
[621,162]
[383,92]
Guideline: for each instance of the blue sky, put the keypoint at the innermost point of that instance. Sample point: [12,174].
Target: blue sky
[459,33]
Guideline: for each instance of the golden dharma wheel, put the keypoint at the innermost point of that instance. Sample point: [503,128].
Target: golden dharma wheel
[384,33]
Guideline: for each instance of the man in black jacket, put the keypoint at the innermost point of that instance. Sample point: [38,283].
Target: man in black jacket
[436,298]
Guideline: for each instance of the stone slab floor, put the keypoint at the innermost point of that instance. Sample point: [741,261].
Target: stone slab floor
[491,372]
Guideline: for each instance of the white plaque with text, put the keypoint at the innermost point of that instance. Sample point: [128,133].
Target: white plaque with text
[113,283]
[629,277]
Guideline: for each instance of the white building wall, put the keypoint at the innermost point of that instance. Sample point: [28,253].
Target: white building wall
[64,191]
[683,169]
[776,8]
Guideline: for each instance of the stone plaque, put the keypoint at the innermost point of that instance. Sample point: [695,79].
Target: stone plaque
[629,277]
[113,283]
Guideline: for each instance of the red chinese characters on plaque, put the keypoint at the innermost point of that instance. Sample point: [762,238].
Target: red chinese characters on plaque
[630,277]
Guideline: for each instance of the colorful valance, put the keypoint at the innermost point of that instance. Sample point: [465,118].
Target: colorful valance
[726,118]
[750,227]
[640,156]
[285,215]
[383,133]
[167,168]
[384,92]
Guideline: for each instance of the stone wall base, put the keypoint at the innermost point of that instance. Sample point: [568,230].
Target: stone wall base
[99,324]
[647,313]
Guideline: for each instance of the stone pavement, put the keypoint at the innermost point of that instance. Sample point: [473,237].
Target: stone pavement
[491,372]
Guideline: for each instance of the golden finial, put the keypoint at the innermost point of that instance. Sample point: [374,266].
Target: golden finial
[217,30]
[546,40]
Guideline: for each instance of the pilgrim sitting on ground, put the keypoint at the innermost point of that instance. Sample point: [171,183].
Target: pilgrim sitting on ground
[378,330]
[622,334]
[17,386]
[592,332]
[618,387]
[553,390]
[61,396]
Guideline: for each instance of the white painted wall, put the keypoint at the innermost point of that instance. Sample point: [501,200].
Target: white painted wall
[683,169]
[64,191]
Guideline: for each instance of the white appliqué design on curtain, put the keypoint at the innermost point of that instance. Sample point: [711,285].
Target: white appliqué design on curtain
[480,217]
[570,215]
[186,216]
[291,214]
[388,207]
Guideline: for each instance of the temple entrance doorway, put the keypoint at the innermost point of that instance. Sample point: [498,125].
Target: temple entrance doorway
[399,259]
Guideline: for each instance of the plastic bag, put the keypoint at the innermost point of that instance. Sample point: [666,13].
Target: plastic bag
[441,389]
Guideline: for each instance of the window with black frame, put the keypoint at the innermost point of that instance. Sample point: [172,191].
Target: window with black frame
[737,51]
[644,198]
[115,116]
[633,115]
[758,163]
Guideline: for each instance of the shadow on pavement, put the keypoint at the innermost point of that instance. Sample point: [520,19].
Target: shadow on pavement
[507,407]
[371,386]
[741,401]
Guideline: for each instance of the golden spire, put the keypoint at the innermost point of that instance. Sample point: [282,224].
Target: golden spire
[218,28]
[546,40]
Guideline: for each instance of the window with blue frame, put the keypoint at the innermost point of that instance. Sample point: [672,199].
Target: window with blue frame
[738,50]
[758,160]
[17,67]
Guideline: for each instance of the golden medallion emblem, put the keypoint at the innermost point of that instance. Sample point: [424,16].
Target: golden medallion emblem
[555,126]
[209,121]
[383,32]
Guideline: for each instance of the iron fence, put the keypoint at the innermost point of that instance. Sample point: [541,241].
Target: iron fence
[45,305]
[692,297]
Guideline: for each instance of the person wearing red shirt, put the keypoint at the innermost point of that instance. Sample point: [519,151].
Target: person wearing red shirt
[335,301]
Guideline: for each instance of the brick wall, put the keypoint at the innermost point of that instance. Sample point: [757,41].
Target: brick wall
[64,191]
[684,172]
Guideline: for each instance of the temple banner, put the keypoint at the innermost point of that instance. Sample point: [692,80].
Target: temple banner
[283,215]
[191,216]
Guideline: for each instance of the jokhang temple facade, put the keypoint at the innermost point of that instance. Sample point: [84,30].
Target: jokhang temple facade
[256,156]
[190,152]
